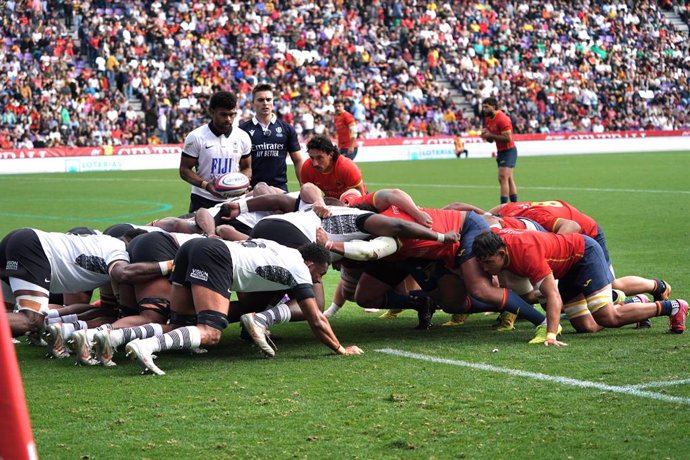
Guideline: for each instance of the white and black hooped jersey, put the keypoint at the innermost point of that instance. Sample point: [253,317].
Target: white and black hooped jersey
[80,262]
[262,265]
[344,224]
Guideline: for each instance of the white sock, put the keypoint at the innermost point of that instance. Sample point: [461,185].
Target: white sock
[91,332]
[332,310]
[69,318]
[127,334]
[182,338]
[276,315]
[69,328]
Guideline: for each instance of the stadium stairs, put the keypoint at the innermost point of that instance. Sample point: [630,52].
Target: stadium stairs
[676,21]
[460,101]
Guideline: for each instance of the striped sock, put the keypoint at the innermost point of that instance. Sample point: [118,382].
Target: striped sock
[69,328]
[667,307]
[183,338]
[91,332]
[276,315]
[68,318]
[127,334]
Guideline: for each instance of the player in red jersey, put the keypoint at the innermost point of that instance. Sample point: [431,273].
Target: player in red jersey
[583,291]
[560,217]
[499,128]
[465,274]
[329,170]
[557,216]
[345,130]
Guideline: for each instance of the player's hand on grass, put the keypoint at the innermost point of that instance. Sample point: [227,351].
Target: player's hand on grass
[351,350]
[554,343]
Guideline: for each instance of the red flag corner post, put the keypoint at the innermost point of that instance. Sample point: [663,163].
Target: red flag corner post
[16,438]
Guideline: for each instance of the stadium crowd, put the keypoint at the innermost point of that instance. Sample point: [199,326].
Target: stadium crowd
[72,70]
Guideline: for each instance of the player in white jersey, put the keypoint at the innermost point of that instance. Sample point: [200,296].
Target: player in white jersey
[347,227]
[152,298]
[215,149]
[206,272]
[35,263]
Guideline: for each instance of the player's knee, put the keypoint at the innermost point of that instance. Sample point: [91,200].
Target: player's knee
[586,328]
[32,303]
[485,292]
[213,319]
[34,319]
[608,321]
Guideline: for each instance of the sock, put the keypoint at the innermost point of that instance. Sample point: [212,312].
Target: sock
[127,334]
[639,298]
[504,199]
[53,313]
[477,306]
[397,301]
[69,328]
[332,310]
[91,332]
[69,318]
[667,307]
[659,288]
[276,315]
[515,304]
[53,319]
[183,338]
[513,198]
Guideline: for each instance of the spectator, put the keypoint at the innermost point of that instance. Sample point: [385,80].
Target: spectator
[556,64]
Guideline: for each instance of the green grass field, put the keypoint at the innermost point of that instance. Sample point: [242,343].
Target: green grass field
[442,393]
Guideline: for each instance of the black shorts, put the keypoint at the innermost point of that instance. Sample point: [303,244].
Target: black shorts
[117,230]
[152,247]
[198,202]
[280,231]
[425,272]
[205,262]
[391,273]
[23,257]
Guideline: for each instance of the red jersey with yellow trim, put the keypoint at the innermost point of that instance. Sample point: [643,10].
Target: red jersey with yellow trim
[344,175]
[499,124]
[536,254]
[342,129]
[444,220]
[548,213]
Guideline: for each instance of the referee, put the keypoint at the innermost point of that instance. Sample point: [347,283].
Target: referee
[272,140]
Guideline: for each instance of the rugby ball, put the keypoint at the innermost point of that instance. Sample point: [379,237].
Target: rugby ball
[231,184]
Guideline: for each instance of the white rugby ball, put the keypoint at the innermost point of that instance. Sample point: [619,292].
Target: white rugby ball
[231,184]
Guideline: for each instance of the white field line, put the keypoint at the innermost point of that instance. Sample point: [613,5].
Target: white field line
[667,383]
[628,390]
